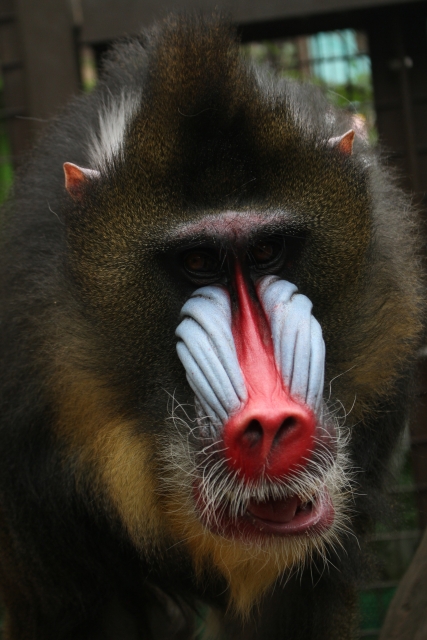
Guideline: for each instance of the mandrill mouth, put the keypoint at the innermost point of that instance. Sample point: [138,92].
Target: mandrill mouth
[279,517]
[290,516]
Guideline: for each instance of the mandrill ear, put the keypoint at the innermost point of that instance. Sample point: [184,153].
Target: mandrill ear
[344,143]
[76,177]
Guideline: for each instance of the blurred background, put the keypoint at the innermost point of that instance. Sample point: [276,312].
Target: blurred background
[368,56]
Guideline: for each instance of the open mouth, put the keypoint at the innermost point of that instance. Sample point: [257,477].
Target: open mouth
[272,517]
[291,516]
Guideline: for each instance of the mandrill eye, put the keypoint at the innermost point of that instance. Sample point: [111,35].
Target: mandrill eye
[201,265]
[267,254]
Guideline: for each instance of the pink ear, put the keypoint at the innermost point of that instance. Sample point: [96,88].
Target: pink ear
[75,177]
[344,143]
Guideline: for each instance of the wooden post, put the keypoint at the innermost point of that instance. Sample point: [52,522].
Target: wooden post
[49,59]
[407,615]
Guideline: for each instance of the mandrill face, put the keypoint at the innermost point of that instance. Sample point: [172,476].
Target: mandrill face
[250,475]
[254,356]
[265,462]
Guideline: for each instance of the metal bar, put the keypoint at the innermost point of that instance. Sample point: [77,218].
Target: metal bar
[381,584]
[408,120]
[410,488]
[393,535]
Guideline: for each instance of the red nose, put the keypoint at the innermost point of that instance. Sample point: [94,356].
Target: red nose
[272,433]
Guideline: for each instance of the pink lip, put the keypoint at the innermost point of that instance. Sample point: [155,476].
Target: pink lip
[279,518]
[291,517]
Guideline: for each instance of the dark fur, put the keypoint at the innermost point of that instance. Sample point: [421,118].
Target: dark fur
[89,291]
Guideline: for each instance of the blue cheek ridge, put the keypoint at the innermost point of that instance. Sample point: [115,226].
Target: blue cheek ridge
[201,386]
[298,343]
[206,349]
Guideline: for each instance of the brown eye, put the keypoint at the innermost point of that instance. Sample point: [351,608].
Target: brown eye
[199,261]
[263,251]
[267,253]
[201,264]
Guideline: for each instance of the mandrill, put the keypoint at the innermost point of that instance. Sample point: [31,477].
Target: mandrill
[210,309]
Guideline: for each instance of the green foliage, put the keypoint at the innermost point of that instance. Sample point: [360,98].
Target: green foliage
[373,607]
[6,170]
[88,70]
[393,545]
[296,58]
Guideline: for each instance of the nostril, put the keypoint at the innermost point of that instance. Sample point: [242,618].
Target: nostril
[287,425]
[253,433]
[264,437]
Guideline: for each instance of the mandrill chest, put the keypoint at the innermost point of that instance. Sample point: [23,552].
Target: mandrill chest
[265,456]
